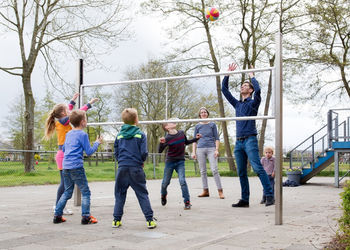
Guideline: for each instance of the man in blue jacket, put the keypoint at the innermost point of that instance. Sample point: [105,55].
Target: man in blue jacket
[246,147]
[130,150]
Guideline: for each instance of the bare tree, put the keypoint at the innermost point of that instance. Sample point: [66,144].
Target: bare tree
[149,98]
[325,44]
[45,27]
[15,123]
[253,22]
[199,53]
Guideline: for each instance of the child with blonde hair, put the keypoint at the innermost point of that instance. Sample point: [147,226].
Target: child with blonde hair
[77,141]
[58,120]
[268,162]
[176,142]
[130,150]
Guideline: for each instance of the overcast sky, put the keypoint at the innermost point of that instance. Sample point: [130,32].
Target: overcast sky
[299,121]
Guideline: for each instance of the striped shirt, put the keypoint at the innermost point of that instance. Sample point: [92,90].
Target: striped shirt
[176,144]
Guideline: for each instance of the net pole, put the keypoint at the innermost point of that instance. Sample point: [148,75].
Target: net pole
[77,193]
[278,131]
[166,100]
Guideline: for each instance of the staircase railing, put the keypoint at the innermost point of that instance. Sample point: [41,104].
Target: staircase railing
[306,154]
[307,151]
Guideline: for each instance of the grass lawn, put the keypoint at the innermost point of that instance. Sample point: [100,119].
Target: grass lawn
[12,173]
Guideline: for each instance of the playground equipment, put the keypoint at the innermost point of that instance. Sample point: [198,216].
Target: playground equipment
[323,148]
[276,73]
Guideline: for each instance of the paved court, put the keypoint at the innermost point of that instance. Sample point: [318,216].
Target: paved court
[309,219]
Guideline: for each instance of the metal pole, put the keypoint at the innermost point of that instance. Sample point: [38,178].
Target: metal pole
[344,132]
[336,169]
[313,150]
[278,130]
[154,165]
[171,78]
[348,135]
[166,100]
[336,132]
[77,193]
[329,128]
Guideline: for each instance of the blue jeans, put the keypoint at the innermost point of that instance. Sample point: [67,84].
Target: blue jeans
[272,183]
[179,167]
[60,189]
[71,177]
[136,178]
[248,149]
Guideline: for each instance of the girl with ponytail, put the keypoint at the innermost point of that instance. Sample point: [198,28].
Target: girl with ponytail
[58,120]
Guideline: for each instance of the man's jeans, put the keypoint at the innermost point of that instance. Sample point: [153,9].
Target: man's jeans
[71,177]
[179,167]
[248,149]
[136,178]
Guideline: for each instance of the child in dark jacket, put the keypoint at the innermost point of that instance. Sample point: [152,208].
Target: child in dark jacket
[130,150]
[176,140]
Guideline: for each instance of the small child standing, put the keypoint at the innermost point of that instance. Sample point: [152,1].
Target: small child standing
[130,150]
[268,163]
[76,142]
[176,140]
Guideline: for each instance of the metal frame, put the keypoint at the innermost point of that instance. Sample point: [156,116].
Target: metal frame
[278,97]
[278,131]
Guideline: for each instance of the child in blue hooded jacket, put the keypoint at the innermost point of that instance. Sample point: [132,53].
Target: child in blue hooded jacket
[130,150]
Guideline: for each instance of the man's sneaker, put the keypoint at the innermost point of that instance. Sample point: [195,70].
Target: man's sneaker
[58,219]
[163,200]
[241,203]
[151,224]
[116,223]
[67,211]
[88,220]
[269,201]
[187,205]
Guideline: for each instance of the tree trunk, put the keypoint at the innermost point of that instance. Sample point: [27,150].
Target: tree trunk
[266,110]
[28,121]
[228,151]
[218,90]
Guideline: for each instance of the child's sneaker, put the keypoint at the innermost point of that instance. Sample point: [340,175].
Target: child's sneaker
[88,220]
[58,219]
[151,224]
[187,205]
[116,223]
[163,200]
[67,211]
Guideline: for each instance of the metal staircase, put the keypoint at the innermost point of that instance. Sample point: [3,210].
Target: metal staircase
[322,148]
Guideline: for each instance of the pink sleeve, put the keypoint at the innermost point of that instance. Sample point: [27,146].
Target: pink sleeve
[86,107]
[71,105]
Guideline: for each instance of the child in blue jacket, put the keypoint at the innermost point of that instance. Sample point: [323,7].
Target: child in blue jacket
[130,150]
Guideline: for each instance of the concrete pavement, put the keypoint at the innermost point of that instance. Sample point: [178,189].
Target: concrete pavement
[309,218]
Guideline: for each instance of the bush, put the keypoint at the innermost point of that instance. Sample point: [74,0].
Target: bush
[344,221]
[341,240]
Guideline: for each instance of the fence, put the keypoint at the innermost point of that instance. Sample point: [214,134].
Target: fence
[100,166]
